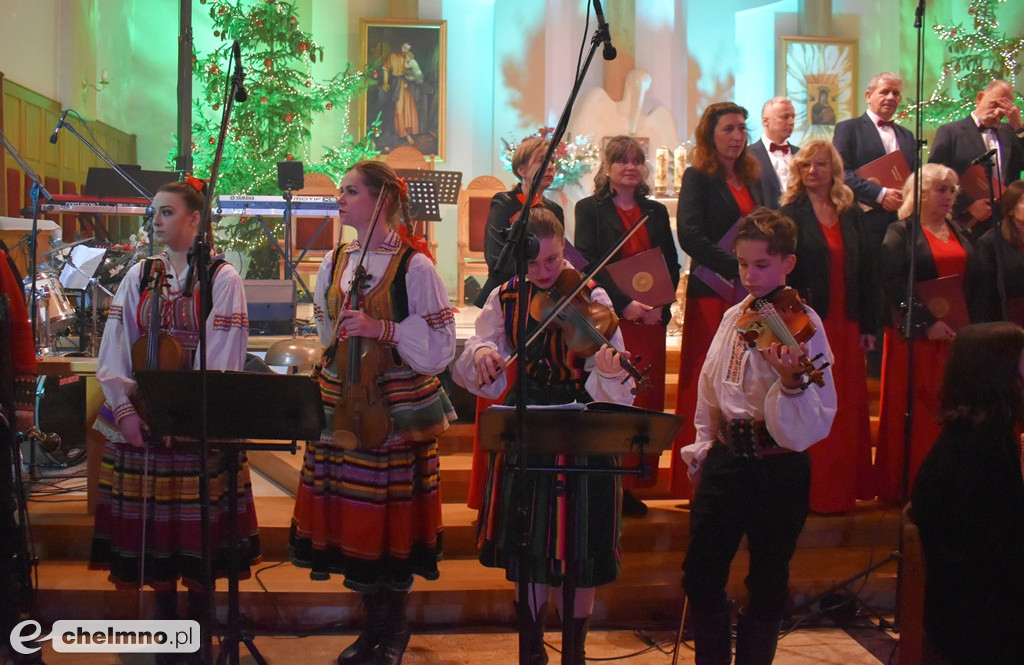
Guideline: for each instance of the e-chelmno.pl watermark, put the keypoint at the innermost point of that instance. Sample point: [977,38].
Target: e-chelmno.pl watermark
[96,636]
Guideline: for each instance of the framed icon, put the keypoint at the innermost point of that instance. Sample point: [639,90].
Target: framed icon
[820,75]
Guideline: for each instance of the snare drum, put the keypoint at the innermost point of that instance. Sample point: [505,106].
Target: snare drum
[51,302]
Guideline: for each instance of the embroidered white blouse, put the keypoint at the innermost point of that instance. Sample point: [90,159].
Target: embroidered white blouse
[426,338]
[490,331]
[737,383]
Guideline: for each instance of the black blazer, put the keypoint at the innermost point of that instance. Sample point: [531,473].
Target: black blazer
[982,291]
[812,276]
[895,266]
[858,143]
[706,211]
[599,228]
[503,206]
[769,184]
[957,143]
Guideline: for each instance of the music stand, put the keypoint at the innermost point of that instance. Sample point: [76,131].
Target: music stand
[448,182]
[599,429]
[446,185]
[172,399]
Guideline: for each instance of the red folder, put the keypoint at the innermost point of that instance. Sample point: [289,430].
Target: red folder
[944,298]
[974,183]
[644,277]
[890,171]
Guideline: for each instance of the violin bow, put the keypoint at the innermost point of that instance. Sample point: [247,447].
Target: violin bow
[584,280]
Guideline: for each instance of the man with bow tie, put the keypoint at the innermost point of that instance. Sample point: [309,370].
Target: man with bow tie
[773,151]
[865,139]
[958,143]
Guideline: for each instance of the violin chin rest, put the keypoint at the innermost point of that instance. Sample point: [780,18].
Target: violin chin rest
[344,439]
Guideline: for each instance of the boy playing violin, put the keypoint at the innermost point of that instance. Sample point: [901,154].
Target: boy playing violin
[555,374]
[756,416]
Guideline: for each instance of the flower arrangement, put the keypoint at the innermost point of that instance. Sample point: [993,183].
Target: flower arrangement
[121,257]
[574,157]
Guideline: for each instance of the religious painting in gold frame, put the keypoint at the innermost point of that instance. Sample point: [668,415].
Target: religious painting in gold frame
[820,75]
[406,59]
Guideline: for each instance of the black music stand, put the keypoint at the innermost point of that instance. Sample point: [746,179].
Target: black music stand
[446,185]
[172,399]
[599,429]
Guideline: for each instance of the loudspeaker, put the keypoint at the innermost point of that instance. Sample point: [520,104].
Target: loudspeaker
[60,411]
[270,304]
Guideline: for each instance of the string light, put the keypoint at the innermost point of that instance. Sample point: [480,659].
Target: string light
[975,59]
[284,100]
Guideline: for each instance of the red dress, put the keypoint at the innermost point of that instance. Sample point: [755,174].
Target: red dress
[929,365]
[647,341]
[841,462]
[700,322]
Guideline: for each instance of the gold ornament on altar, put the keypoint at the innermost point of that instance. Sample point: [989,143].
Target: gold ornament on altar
[661,171]
[678,166]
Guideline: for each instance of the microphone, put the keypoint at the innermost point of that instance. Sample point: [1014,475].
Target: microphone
[980,159]
[60,123]
[602,29]
[240,94]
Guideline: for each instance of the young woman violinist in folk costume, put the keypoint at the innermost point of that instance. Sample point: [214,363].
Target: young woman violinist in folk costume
[169,504]
[368,505]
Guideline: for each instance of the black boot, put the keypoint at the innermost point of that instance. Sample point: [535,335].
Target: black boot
[167,610]
[361,651]
[712,637]
[579,639]
[756,639]
[396,634]
[534,627]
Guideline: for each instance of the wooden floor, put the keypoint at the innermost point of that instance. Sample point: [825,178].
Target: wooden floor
[282,598]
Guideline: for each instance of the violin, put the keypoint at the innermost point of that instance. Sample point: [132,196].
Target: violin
[585,325]
[156,349]
[362,420]
[780,317]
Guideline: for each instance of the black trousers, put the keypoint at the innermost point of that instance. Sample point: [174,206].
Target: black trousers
[765,499]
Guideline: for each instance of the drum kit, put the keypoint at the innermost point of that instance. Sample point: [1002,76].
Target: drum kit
[70,297]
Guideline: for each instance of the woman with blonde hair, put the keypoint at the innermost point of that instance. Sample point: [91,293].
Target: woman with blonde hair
[371,511]
[941,250]
[833,274]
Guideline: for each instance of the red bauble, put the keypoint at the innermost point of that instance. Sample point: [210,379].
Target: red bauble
[222,11]
[263,100]
[288,117]
[216,107]
[303,46]
[330,106]
[215,70]
[309,83]
[289,156]
[216,33]
[212,140]
[292,19]
[259,24]
[268,63]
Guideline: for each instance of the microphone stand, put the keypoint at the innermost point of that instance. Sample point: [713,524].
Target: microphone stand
[199,266]
[519,244]
[106,160]
[37,190]
[908,321]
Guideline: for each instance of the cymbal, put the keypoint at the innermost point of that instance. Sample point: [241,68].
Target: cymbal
[60,245]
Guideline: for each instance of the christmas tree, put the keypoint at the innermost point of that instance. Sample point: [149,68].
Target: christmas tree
[975,60]
[273,125]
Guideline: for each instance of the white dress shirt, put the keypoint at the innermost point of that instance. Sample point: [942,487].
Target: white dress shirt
[781,161]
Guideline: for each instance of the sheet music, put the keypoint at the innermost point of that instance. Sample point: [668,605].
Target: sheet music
[87,260]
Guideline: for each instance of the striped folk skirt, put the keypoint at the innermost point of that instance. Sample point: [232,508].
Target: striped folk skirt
[374,516]
[173,529]
[595,549]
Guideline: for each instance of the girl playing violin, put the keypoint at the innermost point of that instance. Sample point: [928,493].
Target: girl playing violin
[373,513]
[555,375]
[170,505]
[756,416]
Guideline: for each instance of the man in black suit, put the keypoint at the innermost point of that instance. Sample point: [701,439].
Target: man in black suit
[774,151]
[863,140]
[958,143]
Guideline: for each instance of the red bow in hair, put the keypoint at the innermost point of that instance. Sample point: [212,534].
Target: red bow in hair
[402,187]
[418,243]
[198,183]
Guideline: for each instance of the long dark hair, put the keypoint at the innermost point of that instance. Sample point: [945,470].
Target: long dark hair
[982,384]
[705,154]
